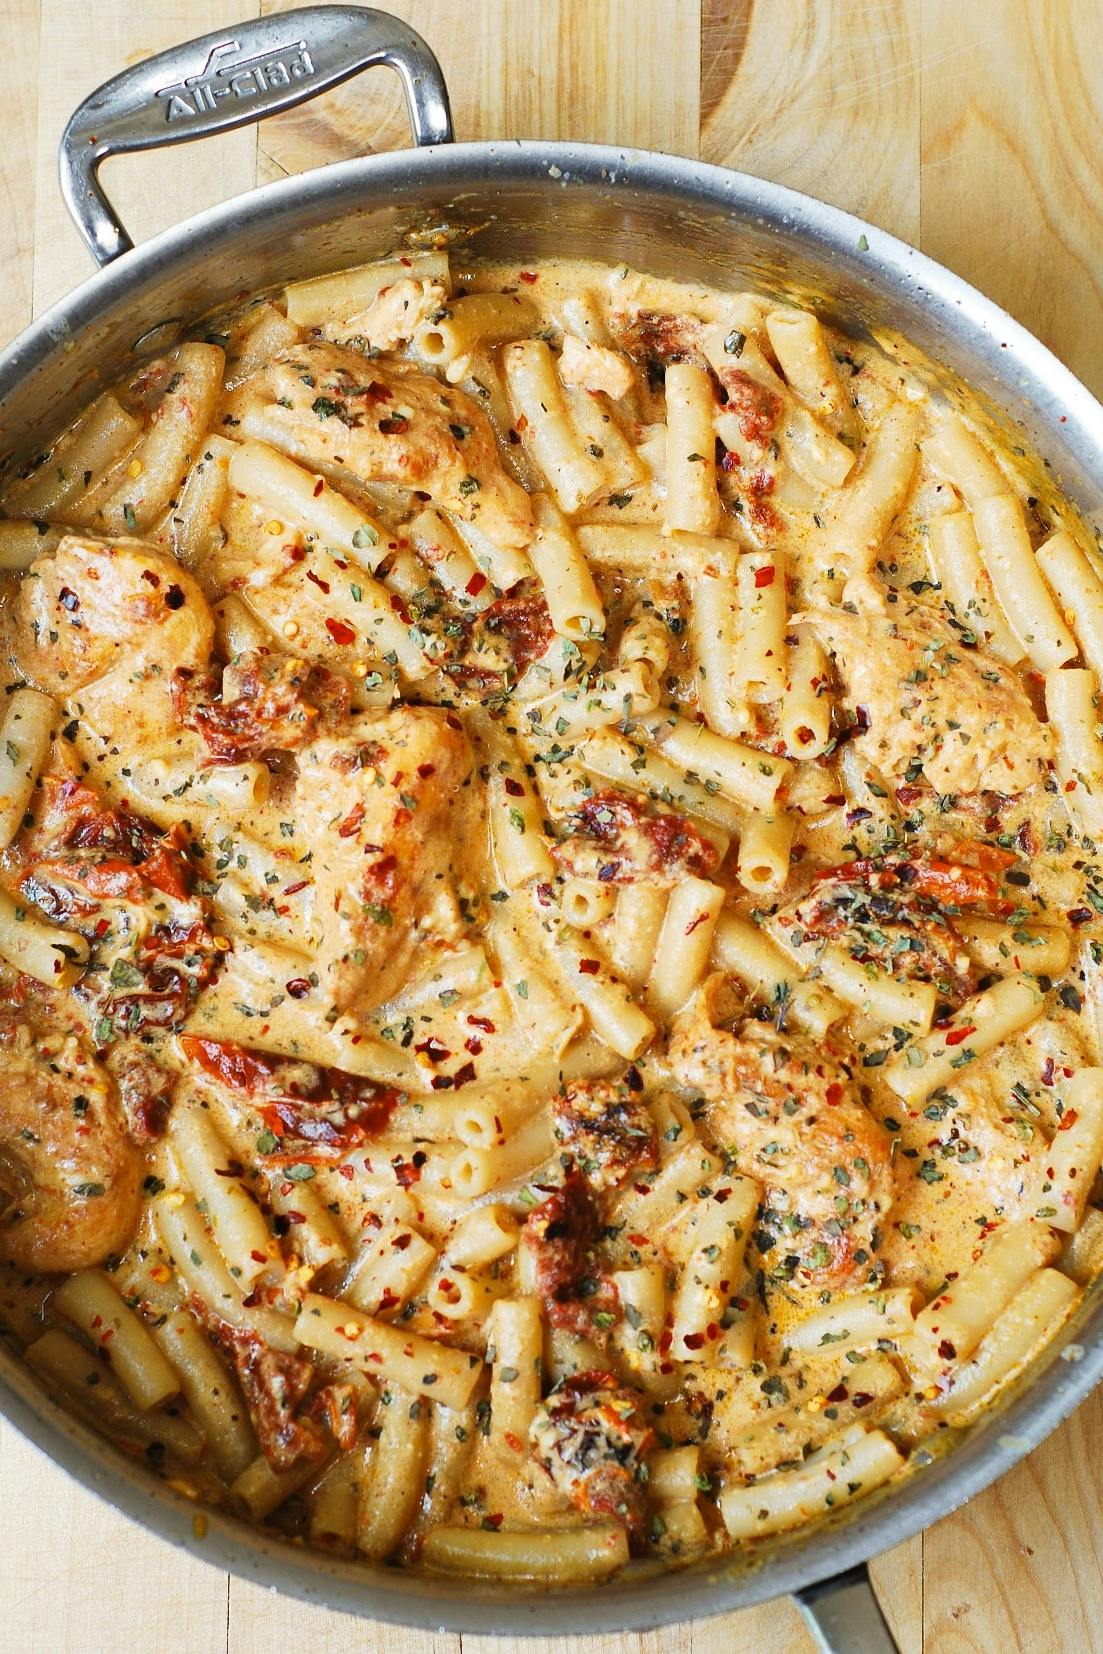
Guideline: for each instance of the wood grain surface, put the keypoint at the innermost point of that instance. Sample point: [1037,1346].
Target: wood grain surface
[972,127]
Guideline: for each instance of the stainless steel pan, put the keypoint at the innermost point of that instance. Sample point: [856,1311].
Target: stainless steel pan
[522,201]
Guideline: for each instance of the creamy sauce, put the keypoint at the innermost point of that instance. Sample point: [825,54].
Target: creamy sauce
[344,912]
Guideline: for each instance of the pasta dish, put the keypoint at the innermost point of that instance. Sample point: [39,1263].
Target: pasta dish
[548,916]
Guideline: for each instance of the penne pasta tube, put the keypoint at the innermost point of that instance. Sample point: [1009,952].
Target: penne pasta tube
[418,1365]
[550,1556]
[891,1000]
[193,1255]
[573,601]
[313,1231]
[976,1027]
[585,902]
[953,452]
[1027,1324]
[786,1435]
[517,826]
[195,524]
[1071,1163]
[238,1226]
[1071,703]
[547,432]
[324,299]
[759,670]
[1079,593]
[762,865]
[692,503]
[953,1324]
[1023,595]
[650,551]
[392,1271]
[515,1343]
[714,635]
[441,548]
[789,1498]
[92,1390]
[637,923]
[472,320]
[715,1234]
[310,501]
[25,737]
[616,758]
[744,774]
[260,1490]
[804,713]
[684,944]
[610,1009]
[642,1293]
[672,1474]
[90,1301]
[753,958]
[395,1479]
[654,1199]
[1082,1254]
[173,440]
[475,1171]
[856,1320]
[210,1393]
[105,433]
[21,543]
[481,1237]
[955,553]
[1042,949]
[856,526]
[804,356]
[335,1502]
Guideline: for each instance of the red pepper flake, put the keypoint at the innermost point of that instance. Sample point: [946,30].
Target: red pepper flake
[514,788]
[318,486]
[701,919]
[480,1022]
[589,967]
[340,631]
[529,276]
[389,1300]
[473,1044]
[258,1257]
[298,987]
[839,1393]
[293,889]
[730,462]
[432,1049]
[464,1075]
[694,1340]
[765,577]
[347,1173]
[494,1522]
[426,770]
[442,1082]
[956,1035]
[322,585]
[475,584]
[947,1351]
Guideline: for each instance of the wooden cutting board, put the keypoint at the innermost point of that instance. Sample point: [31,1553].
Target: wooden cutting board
[970,127]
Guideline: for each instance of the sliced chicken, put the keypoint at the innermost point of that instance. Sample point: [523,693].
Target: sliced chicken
[382,423]
[393,317]
[595,368]
[106,622]
[790,1110]
[69,1171]
[932,704]
[378,805]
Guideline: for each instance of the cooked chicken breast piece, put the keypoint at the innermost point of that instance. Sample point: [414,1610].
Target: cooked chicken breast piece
[109,608]
[380,422]
[378,806]
[790,1110]
[963,719]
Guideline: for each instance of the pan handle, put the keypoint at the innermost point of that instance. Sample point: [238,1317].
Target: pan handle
[844,1615]
[228,79]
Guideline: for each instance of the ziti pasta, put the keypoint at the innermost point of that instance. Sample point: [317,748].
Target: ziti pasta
[549,917]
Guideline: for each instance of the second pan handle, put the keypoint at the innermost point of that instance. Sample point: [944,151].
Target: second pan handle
[228,79]
[844,1615]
